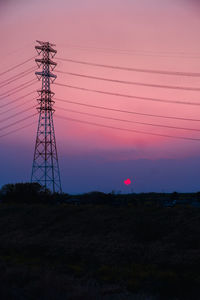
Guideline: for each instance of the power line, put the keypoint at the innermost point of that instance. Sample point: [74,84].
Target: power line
[129,96]
[23,86]
[18,129]
[17,106]
[179,54]
[129,121]
[132,82]
[126,111]
[16,122]
[16,66]
[151,71]
[16,87]
[16,77]
[18,113]
[17,99]
[128,130]
[17,50]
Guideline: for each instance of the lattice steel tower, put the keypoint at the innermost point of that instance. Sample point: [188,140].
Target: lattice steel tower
[45,169]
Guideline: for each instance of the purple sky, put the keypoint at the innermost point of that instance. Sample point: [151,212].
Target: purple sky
[150,34]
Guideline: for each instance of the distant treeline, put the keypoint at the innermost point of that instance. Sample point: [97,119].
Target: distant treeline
[35,193]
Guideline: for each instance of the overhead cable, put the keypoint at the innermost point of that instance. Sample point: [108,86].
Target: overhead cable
[16,107]
[23,86]
[126,111]
[17,129]
[16,77]
[128,96]
[140,70]
[128,130]
[17,99]
[16,114]
[18,121]
[129,121]
[16,66]
[132,82]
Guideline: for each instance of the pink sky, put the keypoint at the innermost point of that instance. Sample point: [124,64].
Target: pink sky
[149,34]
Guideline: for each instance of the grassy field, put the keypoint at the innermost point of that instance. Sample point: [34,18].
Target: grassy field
[99,252]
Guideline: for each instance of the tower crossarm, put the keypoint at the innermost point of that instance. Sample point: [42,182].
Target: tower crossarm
[47,61]
[43,100]
[45,74]
[43,91]
[45,47]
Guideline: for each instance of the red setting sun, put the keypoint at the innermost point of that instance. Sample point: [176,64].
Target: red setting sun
[127,181]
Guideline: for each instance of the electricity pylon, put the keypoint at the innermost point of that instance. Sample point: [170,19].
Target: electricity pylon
[45,169]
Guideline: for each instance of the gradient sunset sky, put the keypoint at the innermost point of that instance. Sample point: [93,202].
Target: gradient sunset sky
[145,34]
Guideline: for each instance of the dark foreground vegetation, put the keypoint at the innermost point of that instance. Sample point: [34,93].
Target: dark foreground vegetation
[98,246]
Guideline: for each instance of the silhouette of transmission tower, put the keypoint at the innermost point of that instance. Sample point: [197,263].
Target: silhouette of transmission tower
[45,169]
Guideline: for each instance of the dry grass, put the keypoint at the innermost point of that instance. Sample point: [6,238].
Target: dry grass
[98,252]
